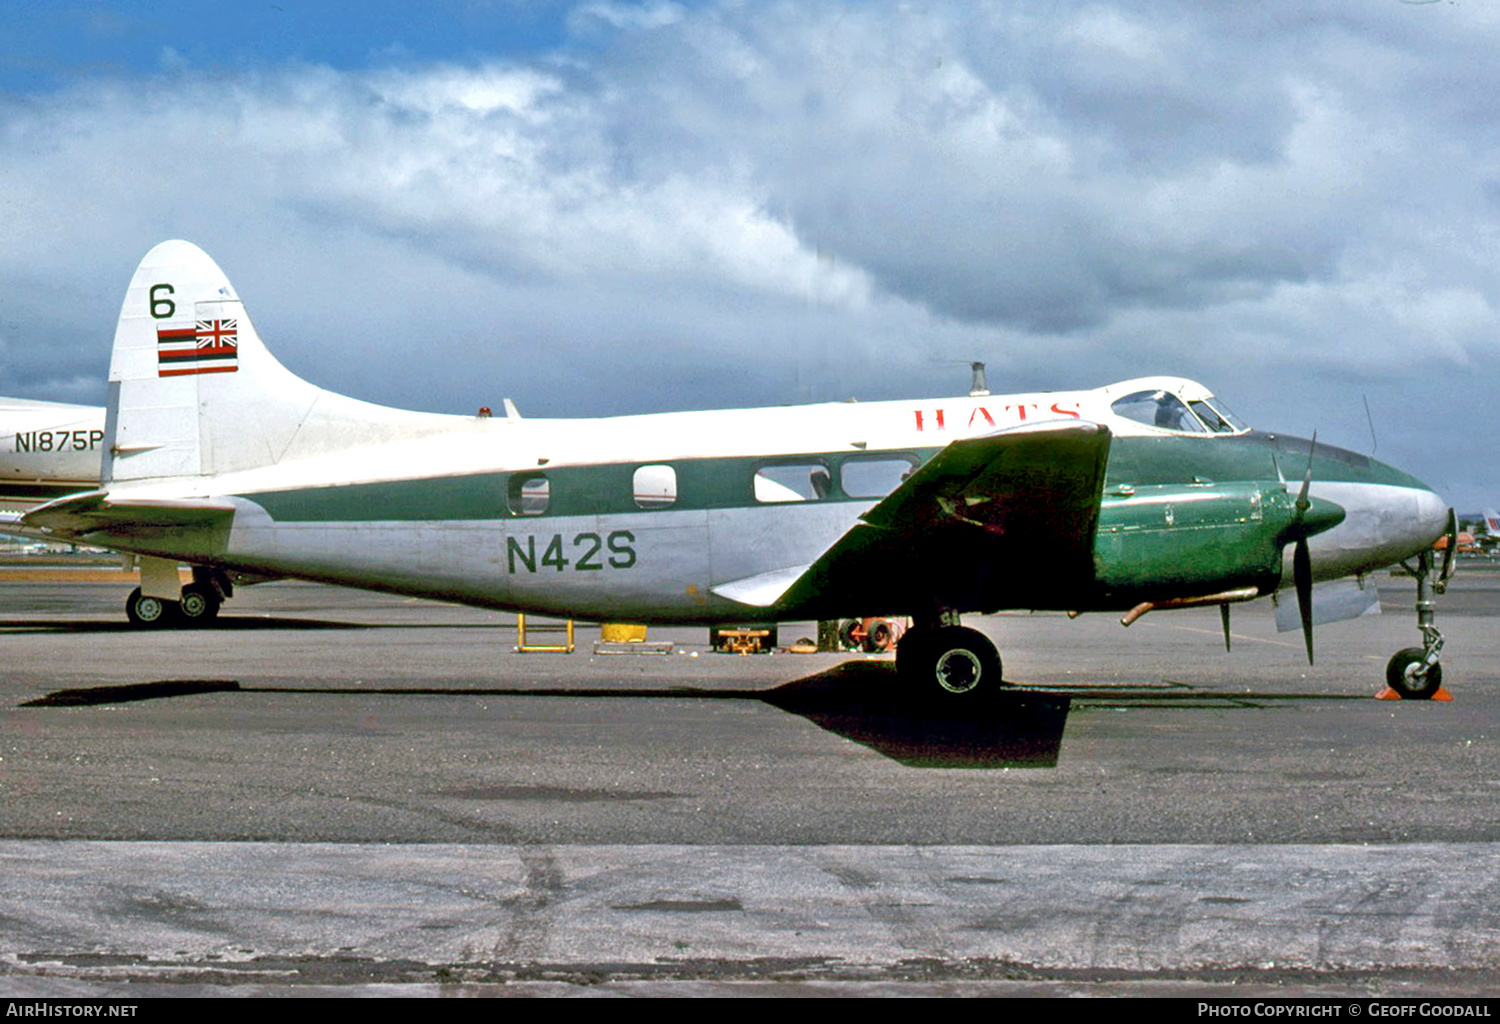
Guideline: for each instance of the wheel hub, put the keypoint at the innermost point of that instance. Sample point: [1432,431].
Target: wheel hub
[958,670]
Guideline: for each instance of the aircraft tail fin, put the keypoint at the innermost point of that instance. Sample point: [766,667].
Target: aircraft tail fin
[1492,521]
[193,392]
[184,345]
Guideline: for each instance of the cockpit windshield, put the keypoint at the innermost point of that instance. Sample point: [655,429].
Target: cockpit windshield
[1161,408]
[1218,418]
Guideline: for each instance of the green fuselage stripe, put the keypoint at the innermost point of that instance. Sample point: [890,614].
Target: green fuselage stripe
[728,482]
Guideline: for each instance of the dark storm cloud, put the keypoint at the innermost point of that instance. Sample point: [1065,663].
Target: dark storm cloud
[1035,174]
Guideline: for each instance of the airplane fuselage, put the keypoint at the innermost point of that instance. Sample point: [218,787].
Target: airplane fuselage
[646,517]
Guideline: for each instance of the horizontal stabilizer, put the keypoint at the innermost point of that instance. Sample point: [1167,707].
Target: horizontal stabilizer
[11,525]
[95,511]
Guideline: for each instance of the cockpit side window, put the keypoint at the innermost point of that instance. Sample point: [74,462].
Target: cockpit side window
[1158,409]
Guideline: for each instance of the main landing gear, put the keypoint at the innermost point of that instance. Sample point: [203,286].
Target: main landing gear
[943,659]
[1414,672]
[197,603]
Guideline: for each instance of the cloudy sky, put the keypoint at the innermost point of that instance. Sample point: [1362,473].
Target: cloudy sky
[608,207]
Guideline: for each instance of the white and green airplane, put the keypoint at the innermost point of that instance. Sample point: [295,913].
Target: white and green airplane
[1140,495]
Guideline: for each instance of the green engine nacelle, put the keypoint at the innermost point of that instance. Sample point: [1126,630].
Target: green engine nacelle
[1178,540]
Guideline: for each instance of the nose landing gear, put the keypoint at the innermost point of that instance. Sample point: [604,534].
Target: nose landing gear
[1414,672]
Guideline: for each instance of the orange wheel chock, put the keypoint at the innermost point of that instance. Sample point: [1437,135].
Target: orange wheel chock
[1389,694]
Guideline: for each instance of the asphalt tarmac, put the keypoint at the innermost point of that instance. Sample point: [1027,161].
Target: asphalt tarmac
[347,792]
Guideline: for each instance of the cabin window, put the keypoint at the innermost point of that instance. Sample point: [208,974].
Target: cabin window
[655,486]
[528,494]
[873,477]
[1158,409]
[788,482]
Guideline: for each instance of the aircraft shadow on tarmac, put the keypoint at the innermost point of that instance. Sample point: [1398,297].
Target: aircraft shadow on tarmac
[1016,727]
[861,701]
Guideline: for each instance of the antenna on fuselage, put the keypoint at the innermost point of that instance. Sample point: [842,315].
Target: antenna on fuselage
[978,388]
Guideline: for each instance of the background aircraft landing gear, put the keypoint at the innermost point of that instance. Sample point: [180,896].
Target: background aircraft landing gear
[948,660]
[873,635]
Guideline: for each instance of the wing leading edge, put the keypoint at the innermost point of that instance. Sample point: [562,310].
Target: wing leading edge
[1002,520]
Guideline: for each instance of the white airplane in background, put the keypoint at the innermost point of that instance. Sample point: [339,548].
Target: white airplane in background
[47,450]
[1141,495]
[1490,539]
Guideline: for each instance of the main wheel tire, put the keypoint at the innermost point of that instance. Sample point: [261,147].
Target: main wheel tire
[949,662]
[878,638]
[199,605]
[963,660]
[847,639]
[1399,675]
[148,612]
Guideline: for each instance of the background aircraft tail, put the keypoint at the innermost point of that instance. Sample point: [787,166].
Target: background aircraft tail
[194,392]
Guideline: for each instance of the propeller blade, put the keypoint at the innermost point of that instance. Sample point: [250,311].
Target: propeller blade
[1224,615]
[1302,503]
[1301,556]
[1302,576]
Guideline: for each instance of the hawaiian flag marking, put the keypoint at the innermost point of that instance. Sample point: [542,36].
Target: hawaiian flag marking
[210,346]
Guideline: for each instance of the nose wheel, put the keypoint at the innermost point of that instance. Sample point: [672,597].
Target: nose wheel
[1410,677]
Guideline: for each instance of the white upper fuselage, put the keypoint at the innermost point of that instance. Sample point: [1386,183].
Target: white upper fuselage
[416,445]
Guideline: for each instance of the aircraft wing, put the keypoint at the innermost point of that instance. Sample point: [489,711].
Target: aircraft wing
[1001,520]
